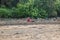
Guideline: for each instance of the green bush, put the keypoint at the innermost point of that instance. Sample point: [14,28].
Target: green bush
[5,13]
[29,11]
[30,8]
[34,12]
[43,13]
[22,11]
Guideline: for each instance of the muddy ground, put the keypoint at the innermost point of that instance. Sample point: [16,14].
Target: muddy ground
[30,32]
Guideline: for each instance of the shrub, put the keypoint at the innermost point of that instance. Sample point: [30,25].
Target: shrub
[5,13]
[42,13]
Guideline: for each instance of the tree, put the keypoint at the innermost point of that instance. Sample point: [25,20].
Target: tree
[47,5]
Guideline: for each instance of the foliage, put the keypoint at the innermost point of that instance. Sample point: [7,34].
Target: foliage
[29,8]
[5,13]
[57,6]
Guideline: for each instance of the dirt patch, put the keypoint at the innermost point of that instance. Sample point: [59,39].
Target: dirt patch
[30,32]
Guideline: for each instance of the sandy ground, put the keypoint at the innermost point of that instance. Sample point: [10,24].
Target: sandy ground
[30,32]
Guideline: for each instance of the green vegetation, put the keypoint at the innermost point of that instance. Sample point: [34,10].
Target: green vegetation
[29,8]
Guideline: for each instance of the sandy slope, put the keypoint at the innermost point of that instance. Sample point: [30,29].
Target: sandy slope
[30,32]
